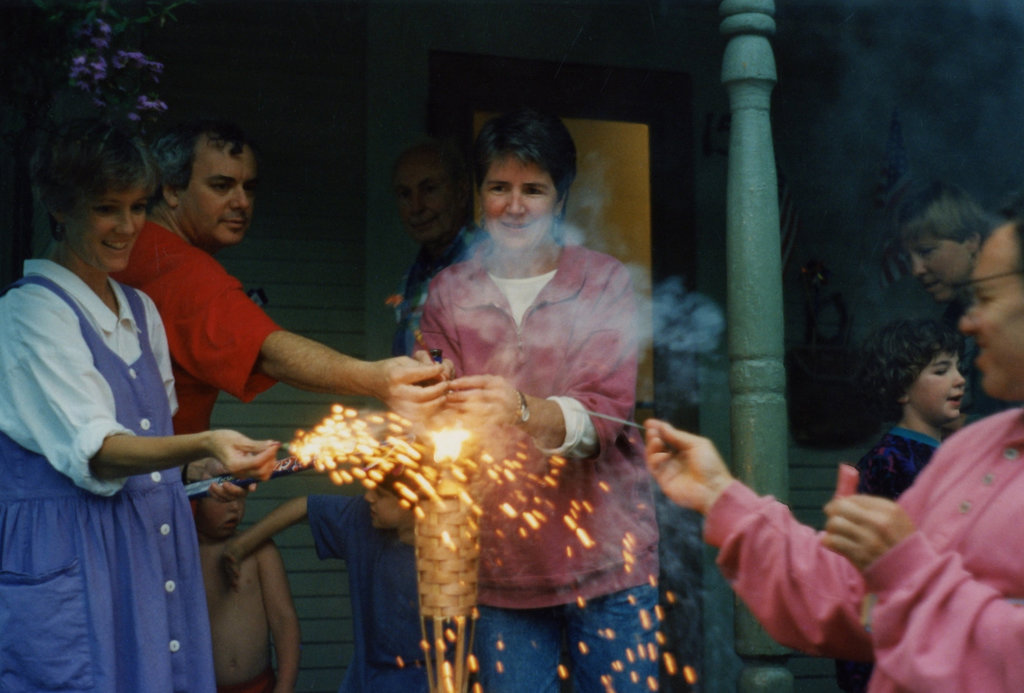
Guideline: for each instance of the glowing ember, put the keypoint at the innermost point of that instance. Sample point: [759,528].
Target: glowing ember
[448,443]
[349,446]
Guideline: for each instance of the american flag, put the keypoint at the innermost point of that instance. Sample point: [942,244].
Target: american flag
[893,184]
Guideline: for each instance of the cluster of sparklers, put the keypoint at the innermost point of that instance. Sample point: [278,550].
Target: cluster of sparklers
[370,448]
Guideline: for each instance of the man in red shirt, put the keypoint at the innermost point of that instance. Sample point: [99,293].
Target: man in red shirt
[219,338]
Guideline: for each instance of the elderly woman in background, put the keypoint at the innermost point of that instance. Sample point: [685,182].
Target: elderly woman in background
[541,334]
[100,587]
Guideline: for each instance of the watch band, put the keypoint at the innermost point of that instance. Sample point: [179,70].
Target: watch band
[524,411]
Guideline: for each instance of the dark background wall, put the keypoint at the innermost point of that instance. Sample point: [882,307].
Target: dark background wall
[333,90]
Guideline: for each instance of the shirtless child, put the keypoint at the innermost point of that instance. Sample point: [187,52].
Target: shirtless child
[244,616]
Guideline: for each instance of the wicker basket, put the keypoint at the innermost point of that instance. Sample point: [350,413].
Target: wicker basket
[447,557]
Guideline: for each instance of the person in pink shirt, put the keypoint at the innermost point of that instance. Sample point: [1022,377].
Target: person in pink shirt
[929,586]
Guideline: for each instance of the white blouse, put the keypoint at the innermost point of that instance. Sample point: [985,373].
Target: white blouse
[580,435]
[55,402]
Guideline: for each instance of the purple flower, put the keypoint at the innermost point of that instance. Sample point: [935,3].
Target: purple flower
[99,69]
[78,68]
[97,31]
[123,58]
[133,116]
[145,103]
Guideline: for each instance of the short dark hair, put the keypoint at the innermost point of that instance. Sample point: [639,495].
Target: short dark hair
[85,158]
[942,210]
[175,150]
[532,137]
[893,357]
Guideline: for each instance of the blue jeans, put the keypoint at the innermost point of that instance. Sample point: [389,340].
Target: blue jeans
[610,645]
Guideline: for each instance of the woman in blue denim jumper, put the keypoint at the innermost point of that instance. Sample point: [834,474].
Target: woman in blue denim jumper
[100,588]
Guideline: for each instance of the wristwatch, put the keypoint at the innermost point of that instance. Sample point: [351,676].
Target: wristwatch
[524,411]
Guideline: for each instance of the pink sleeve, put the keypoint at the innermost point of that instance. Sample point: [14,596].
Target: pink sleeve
[804,595]
[601,367]
[937,628]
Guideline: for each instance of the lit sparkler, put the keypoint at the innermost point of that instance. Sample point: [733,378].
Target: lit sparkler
[352,447]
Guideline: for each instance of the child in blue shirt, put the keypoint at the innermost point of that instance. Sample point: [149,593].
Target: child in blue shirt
[909,374]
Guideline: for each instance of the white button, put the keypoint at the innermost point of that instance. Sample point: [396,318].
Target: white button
[1011,453]
[169,585]
[144,424]
[988,479]
[165,529]
[965,507]
[132,373]
[174,645]
[155,476]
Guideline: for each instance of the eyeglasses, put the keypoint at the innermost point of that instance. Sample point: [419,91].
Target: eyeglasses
[967,290]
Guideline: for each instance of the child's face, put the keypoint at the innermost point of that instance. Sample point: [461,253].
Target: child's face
[217,519]
[934,397]
[386,510]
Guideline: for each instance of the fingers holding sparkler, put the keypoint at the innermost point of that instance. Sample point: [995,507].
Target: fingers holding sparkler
[214,480]
[688,468]
[484,399]
[243,456]
[489,400]
[413,388]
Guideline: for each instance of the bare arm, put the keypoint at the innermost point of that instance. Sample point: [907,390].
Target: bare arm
[245,543]
[309,365]
[281,616]
[124,455]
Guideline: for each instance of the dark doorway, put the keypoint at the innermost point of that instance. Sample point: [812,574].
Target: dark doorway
[463,89]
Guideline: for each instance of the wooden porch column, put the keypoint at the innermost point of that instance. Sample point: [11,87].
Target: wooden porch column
[754,305]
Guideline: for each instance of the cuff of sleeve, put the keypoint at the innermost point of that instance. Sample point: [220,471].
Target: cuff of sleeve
[732,508]
[580,435]
[87,443]
[898,565]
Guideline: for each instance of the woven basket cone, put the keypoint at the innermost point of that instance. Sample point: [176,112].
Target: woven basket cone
[447,557]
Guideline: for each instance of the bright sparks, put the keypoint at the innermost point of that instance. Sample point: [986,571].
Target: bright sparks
[448,443]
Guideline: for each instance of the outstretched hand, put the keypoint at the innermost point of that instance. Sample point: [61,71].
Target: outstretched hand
[862,528]
[242,456]
[413,389]
[688,468]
